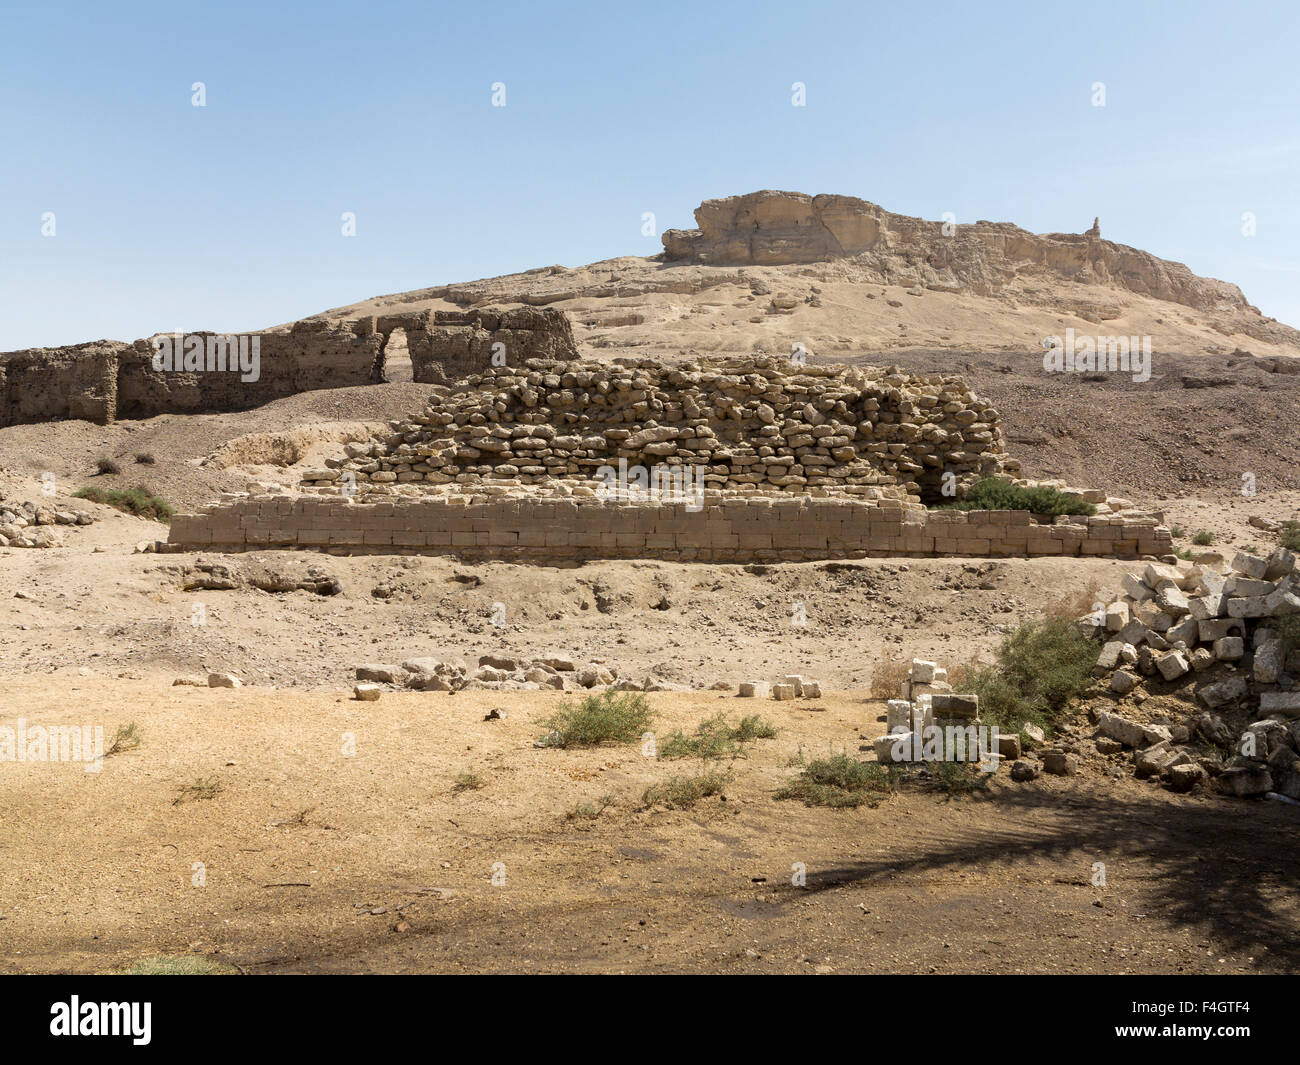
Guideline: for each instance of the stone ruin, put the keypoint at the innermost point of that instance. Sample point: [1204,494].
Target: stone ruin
[724,460]
[106,380]
[754,423]
[1229,631]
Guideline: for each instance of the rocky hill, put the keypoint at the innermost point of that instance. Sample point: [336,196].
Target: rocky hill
[842,276]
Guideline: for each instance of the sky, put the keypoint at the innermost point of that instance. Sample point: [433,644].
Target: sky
[126,210]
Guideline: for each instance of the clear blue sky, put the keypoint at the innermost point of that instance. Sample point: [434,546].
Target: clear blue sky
[228,216]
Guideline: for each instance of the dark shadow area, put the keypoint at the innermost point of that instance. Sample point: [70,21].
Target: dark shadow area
[1229,871]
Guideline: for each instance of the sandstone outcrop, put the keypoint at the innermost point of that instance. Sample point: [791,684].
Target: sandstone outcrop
[775,228]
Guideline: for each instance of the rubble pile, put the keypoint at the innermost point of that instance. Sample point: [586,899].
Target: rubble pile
[28,524]
[1230,633]
[754,423]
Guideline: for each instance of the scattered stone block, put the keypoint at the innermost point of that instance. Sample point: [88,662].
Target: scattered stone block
[1287,703]
[755,689]
[1058,762]
[1229,648]
[1249,565]
[1223,691]
[960,706]
[1123,682]
[224,680]
[381,674]
[1173,665]
[1245,781]
[886,746]
[783,692]
[1024,770]
[1270,660]
[922,671]
[367,693]
[1185,777]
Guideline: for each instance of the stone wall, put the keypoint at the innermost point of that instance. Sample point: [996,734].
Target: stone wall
[740,423]
[46,384]
[448,345]
[105,380]
[727,528]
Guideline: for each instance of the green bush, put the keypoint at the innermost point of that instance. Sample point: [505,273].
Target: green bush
[1203,538]
[1040,667]
[138,501]
[994,493]
[955,778]
[714,738]
[680,793]
[1290,535]
[841,781]
[610,717]
[104,466]
[178,965]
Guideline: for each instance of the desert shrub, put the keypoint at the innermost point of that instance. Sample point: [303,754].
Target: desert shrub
[994,493]
[1073,606]
[683,792]
[841,781]
[1203,538]
[589,811]
[1177,532]
[610,717]
[138,501]
[1039,668]
[467,782]
[178,965]
[887,678]
[715,738]
[200,789]
[145,458]
[955,778]
[126,738]
[1290,535]
[104,466]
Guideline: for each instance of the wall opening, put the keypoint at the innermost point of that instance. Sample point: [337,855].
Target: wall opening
[397,358]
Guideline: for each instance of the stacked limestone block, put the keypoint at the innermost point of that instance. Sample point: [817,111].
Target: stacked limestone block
[1233,630]
[792,686]
[537,526]
[755,423]
[928,703]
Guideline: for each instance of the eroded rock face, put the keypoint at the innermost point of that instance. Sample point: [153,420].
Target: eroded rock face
[775,228]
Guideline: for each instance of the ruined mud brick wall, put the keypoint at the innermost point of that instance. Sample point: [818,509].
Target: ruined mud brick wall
[448,345]
[45,384]
[312,354]
[106,380]
[728,528]
[743,423]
